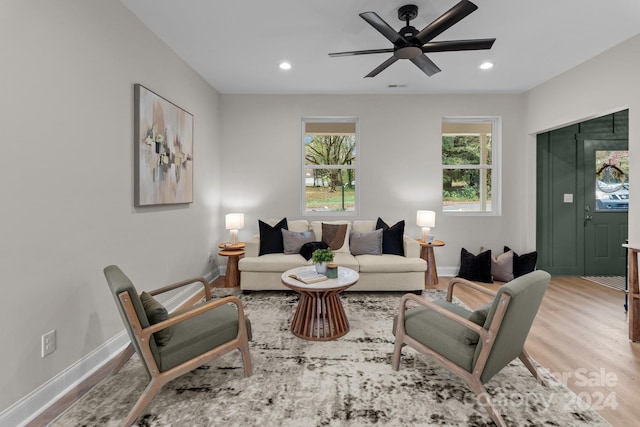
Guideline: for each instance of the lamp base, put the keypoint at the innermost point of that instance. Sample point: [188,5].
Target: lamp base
[425,234]
[234,236]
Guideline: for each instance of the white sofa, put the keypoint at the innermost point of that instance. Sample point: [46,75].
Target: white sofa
[377,272]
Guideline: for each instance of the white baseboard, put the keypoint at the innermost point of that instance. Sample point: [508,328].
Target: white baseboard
[448,271]
[36,402]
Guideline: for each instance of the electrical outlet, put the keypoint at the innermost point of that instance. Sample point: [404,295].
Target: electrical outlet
[48,343]
[210,258]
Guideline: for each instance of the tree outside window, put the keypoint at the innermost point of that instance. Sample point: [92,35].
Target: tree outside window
[330,165]
[469,166]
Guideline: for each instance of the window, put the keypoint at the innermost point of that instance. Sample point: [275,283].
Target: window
[612,181]
[330,165]
[471,165]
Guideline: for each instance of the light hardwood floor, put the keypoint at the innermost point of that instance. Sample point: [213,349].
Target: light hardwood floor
[581,334]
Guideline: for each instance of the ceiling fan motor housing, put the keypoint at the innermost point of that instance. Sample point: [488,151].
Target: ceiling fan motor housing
[409,43]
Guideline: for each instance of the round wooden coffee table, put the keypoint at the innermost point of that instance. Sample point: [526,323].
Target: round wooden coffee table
[320,315]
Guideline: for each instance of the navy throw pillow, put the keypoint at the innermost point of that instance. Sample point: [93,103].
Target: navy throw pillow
[271,241]
[475,267]
[310,247]
[523,264]
[392,237]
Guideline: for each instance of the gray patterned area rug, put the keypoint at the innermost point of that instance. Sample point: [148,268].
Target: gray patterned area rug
[346,382]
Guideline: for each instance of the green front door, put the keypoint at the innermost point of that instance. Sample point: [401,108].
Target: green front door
[606,201]
[581,218]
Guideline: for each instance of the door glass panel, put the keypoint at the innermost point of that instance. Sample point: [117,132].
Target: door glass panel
[612,181]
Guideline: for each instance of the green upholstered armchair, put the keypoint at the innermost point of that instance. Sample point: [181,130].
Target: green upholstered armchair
[182,341]
[473,345]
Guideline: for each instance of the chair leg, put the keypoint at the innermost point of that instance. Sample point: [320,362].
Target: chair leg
[528,362]
[246,359]
[397,350]
[485,400]
[143,401]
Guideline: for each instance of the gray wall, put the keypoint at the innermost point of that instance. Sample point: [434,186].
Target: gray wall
[66,108]
[400,162]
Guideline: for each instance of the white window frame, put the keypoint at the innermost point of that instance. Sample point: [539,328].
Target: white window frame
[495,166]
[356,167]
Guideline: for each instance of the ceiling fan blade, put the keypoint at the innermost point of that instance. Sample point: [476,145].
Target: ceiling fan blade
[426,65]
[383,28]
[448,19]
[360,52]
[382,66]
[455,45]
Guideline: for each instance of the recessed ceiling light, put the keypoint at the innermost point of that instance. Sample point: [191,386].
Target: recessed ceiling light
[285,66]
[486,65]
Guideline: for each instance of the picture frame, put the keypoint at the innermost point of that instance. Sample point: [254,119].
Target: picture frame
[163,150]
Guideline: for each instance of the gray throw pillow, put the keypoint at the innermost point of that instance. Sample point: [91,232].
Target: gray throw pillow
[293,240]
[502,267]
[366,243]
[156,313]
[478,317]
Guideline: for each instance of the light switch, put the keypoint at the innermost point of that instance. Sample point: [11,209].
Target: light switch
[568,198]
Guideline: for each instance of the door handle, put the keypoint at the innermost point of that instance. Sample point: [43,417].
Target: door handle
[588,218]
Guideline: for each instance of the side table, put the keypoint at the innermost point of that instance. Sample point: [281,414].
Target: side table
[426,253]
[320,315]
[233,252]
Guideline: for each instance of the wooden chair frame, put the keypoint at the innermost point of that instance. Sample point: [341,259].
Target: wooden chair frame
[143,336]
[487,336]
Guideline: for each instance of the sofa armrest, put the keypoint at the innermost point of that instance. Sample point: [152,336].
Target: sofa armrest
[411,247]
[252,246]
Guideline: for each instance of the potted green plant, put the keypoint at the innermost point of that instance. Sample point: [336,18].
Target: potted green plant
[320,258]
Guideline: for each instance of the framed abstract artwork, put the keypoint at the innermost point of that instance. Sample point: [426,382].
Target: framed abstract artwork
[163,150]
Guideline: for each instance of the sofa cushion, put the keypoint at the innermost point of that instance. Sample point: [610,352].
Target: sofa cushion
[272,262]
[475,267]
[367,243]
[346,260]
[299,225]
[293,240]
[363,226]
[316,227]
[156,313]
[392,237]
[271,237]
[386,263]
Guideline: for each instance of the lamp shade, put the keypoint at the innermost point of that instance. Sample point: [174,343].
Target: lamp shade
[426,219]
[234,221]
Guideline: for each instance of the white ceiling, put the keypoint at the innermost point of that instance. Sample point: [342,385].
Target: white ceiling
[237,45]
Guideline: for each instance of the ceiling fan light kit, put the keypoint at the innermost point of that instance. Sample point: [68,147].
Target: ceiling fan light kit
[411,44]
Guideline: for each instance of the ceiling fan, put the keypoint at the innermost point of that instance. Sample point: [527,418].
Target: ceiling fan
[410,44]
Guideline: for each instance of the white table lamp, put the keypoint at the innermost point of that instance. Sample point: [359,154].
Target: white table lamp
[426,220]
[234,222]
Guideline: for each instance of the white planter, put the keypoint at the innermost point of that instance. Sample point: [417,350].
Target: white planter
[321,267]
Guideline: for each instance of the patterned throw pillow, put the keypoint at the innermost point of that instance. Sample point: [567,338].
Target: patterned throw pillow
[334,235]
